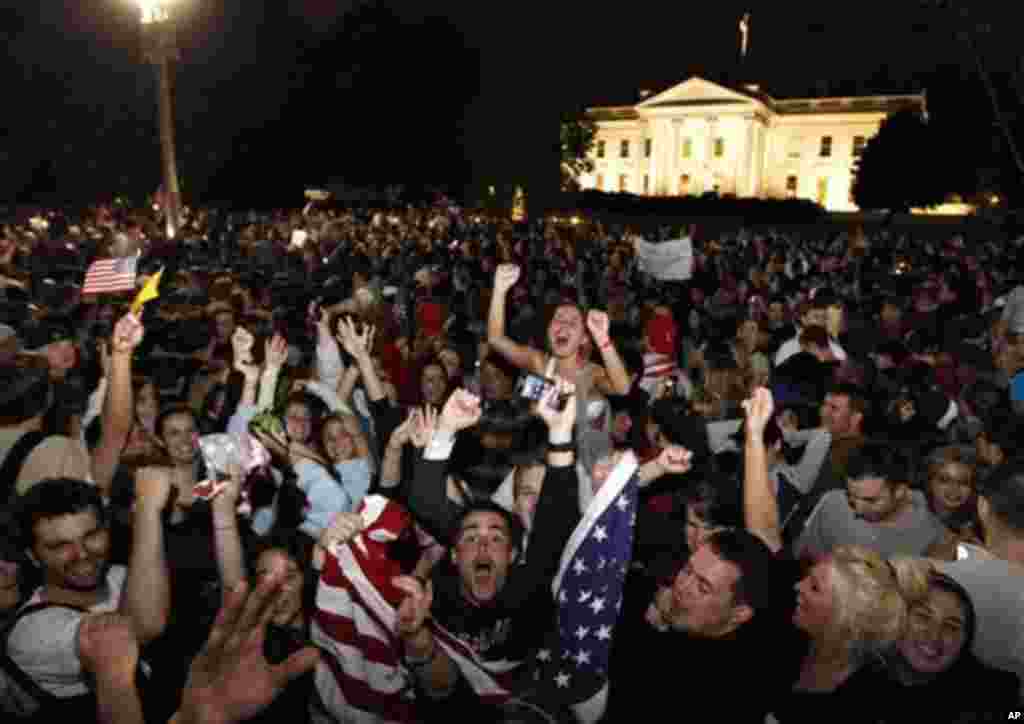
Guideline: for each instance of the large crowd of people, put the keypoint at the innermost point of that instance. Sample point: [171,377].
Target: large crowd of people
[357,465]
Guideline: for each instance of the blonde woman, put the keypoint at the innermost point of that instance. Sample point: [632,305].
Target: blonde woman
[851,606]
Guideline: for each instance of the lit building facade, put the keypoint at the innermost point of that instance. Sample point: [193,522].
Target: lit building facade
[699,137]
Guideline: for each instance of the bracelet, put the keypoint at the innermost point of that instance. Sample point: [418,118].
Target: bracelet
[561,447]
[607,343]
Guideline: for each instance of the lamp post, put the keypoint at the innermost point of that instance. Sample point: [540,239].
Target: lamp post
[160,48]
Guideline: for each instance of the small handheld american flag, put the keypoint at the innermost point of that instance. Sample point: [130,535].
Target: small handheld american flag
[108,276]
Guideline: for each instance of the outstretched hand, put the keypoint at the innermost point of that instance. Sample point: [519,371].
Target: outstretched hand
[357,344]
[276,352]
[759,409]
[598,323]
[462,410]
[505,277]
[128,333]
[675,460]
[423,426]
[231,680]
[241,344]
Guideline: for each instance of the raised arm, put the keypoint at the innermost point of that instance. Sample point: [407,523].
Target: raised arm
[615,380]
[360,346]
[521,356]
[147,593]
[241,341]
[227,540]
[674,460]
[329,367]
[276,356]
[760,506]
[558,506]
[391,466]
[119,412]
[428,494]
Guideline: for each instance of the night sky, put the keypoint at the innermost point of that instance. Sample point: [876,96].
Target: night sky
[273,96]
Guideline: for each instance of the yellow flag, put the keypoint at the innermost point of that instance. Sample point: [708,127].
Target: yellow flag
[149,291]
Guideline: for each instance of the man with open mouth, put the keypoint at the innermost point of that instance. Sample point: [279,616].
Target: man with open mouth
[492,598]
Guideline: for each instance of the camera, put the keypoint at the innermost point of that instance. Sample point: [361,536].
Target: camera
[534,387]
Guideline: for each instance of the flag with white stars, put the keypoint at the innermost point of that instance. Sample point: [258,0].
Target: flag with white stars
[588,592]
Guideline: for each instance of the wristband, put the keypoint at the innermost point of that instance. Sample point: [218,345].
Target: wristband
[561,447]
[606,345]
[559,438]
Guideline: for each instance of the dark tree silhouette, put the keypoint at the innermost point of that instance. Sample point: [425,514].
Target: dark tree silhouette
[902,167]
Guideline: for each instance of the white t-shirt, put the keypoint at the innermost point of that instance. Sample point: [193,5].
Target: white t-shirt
[45,644]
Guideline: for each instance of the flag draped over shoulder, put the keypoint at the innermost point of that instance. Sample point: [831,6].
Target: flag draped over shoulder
[362,677]
[108,276]
[667,261]
[574,668]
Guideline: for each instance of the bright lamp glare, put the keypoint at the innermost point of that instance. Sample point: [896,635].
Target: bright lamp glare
[154,11]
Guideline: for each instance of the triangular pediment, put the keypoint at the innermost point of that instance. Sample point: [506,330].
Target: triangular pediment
[697,91]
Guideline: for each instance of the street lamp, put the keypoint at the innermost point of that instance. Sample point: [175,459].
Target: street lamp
[160,47]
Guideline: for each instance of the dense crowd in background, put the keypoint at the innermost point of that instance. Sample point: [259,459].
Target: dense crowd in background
[357,465]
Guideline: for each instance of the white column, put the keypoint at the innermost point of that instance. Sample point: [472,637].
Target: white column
[751,171]
[675,131]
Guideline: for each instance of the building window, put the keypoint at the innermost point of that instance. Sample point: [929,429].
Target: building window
[822,191]
[623,183]
[600,149]
[600,182]
[684,184]
[624,149]
[826,147]
[687,148]
[858,145]
[647,184]
[647,147]
[791,183]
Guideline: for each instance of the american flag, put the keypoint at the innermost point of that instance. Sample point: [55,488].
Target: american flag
[111,275]
[573,669]
[362,676]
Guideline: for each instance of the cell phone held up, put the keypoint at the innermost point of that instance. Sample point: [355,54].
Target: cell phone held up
[535,388]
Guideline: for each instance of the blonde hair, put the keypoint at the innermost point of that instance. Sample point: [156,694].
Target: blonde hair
[872,597]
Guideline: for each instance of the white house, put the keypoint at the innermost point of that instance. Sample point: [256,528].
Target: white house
[699,137]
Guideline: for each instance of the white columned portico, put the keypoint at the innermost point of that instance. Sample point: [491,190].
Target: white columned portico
[769,146]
